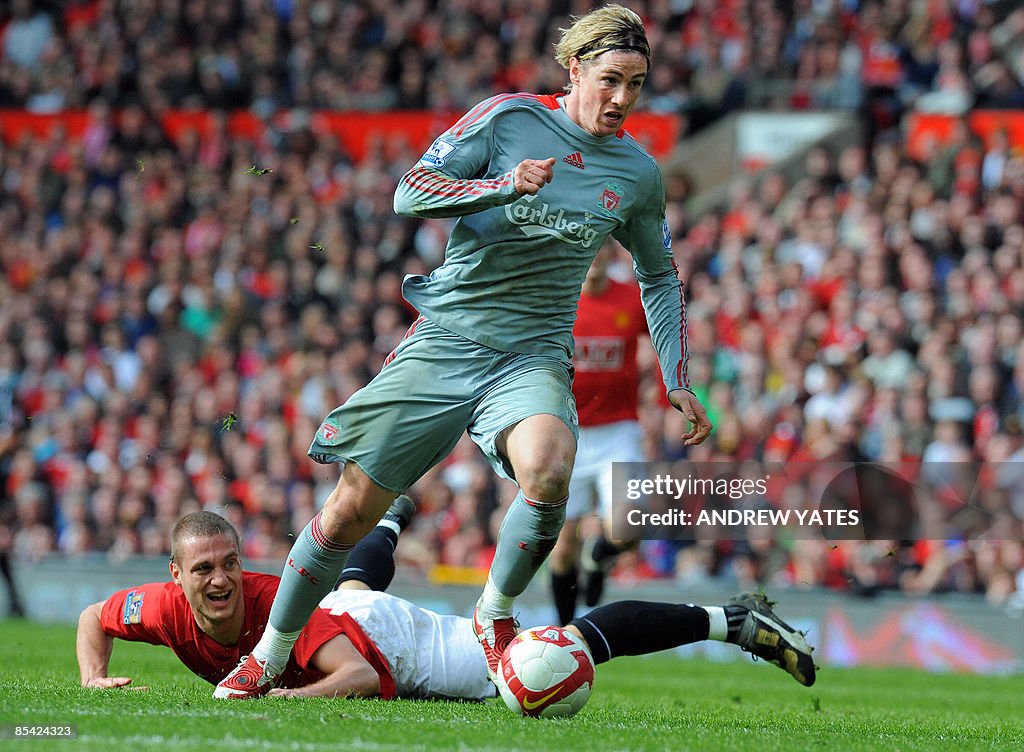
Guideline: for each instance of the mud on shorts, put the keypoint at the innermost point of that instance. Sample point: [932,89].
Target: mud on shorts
[432,388]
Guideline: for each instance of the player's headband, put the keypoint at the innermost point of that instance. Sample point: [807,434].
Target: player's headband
[602,46]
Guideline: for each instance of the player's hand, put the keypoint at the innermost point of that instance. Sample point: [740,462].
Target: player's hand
[686,403]
[282,692]
[112,682]
[531,175]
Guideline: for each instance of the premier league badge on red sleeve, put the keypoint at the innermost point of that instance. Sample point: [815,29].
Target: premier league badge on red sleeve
[133,607]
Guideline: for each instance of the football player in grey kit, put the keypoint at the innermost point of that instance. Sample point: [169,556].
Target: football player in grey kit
[537,184]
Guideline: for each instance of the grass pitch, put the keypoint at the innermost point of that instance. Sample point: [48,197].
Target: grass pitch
[651,703]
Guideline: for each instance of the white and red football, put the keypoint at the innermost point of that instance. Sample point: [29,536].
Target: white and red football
[546,672]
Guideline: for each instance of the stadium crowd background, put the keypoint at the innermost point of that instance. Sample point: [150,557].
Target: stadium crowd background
[174,325]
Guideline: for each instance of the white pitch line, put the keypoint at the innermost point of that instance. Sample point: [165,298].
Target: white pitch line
[198,742]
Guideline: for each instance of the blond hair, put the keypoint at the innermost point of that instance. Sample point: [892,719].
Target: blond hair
[612,27]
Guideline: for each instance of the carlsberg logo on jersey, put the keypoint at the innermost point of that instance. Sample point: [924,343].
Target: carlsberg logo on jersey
[538,218]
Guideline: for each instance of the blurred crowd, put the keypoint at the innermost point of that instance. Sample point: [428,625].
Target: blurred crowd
[710,56]
[177,316]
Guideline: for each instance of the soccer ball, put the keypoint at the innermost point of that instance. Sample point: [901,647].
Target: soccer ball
[546,672]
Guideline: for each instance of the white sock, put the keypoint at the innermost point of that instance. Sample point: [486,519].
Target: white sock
[493,603]
[391,525]
[274,647]
[718,629]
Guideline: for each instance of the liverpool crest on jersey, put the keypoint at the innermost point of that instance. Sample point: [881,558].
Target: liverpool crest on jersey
[611,197]
[328,431]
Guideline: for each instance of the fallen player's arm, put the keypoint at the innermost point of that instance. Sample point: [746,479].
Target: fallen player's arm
[348,673]
[93,647]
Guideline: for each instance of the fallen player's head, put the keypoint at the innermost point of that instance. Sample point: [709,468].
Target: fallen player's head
[206,563]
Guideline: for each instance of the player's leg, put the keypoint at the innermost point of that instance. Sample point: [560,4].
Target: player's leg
[565,556]
[318,556]
[597,557]
[16,608]
[584,489]
[525,423]
[387,435]
[541,450]
[640,627]
[563,569]
[371,565]
[616,442]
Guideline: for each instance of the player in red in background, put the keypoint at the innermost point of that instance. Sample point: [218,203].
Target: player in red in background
[362,642]
[609,321]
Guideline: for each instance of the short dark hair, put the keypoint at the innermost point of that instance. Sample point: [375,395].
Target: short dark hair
[201,525]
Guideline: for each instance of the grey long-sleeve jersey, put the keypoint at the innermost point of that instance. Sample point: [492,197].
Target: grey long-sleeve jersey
[514,265]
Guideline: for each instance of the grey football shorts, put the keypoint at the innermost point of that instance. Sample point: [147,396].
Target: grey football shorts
[435,386]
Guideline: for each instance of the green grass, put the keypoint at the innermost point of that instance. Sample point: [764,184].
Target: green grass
[654,703]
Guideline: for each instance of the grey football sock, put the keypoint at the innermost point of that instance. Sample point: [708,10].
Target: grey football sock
[527,536]
[312,568]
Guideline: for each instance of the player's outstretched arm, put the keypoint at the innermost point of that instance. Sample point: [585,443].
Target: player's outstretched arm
[93,647]
[429,193]
[348,673]
[687,403]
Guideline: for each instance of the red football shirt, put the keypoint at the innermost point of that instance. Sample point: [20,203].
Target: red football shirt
[606,331]
[159,614]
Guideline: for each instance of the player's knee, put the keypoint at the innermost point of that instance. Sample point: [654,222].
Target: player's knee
[338,516]
[545,480]
[541,450]
[353,511]
[359,515]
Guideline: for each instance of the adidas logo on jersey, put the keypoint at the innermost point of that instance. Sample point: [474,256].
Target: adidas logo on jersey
[575,159]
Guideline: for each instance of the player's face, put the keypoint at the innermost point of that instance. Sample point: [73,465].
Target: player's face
[209,570]
[605,90]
